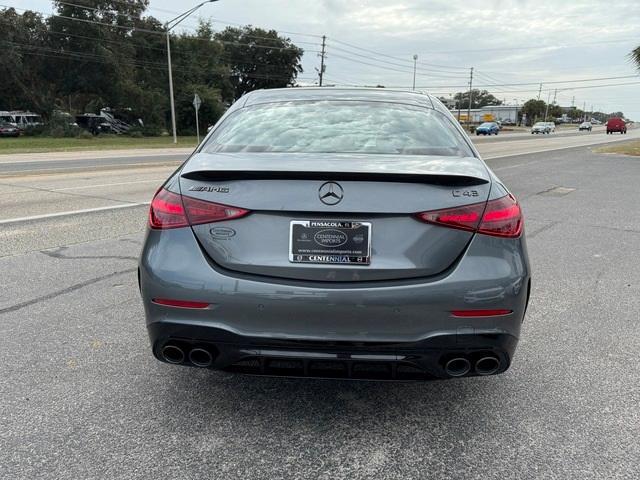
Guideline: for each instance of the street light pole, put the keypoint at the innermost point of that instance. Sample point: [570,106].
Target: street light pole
[173,106]
[415,60]
[170,25]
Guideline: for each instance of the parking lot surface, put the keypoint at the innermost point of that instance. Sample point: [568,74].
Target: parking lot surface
[82,397]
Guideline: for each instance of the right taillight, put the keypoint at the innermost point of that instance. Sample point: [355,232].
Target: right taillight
[171,210]
[500,218]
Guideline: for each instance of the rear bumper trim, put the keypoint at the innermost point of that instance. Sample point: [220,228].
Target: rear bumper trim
[422,360]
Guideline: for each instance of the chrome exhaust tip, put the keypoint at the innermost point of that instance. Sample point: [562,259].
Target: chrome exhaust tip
[487,366]
[457,367]
[200,357]
[172,354]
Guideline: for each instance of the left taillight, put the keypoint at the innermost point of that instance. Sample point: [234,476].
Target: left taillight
[171,210]
[501,217]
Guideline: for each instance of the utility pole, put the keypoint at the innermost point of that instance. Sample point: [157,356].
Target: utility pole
[546,111]
[171,100]
[584,114]
[555,93]
[322,56]
[415,59]
[539,91]
[470,95]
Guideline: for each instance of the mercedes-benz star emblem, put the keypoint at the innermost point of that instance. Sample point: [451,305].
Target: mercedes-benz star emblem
[330,193]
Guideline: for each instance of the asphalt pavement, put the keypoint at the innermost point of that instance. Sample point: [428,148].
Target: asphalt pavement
[82,397]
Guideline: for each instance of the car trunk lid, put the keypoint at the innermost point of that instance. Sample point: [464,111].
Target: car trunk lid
[378,194]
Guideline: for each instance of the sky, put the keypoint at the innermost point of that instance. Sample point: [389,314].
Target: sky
[513,45]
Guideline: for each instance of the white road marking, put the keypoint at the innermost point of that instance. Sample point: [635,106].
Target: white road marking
[566,147]
[158,181]
[71,212]
[112,166]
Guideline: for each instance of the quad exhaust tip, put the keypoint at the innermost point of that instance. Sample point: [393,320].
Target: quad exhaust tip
[487,366]
[200,357]
[172,354]
[457,367]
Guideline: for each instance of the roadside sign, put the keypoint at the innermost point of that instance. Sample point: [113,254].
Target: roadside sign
[197,101]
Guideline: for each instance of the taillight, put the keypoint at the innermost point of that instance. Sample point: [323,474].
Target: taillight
[166,211]
[501,217]
[170,210]
[199,211]
[463,218]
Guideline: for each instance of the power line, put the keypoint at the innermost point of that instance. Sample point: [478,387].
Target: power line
[394,57]
[156,32]
[193,27]
[225,22]
[386,62]
[534,47]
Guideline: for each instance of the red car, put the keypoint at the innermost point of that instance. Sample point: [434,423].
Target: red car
[616,124]
[8,130]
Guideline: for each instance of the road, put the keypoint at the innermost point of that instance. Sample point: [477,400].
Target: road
[83,398]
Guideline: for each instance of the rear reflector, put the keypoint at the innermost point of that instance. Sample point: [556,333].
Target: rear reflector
[171,210]
[180,303]
[500,218]
[480,313]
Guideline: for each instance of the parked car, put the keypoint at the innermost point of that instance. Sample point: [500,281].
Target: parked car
[488,128]
[616,124]
[8,130]
[540,127]
[585,126]
[303,255]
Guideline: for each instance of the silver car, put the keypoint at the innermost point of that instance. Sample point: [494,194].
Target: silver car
[540,127]
[343,233]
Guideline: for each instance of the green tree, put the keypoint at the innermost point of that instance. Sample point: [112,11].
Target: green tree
[25,83]
[109,53]
[96,58]
[479,99]
[534,109]
[259,58]
[635,56]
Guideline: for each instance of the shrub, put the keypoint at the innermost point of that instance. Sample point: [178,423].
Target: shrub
[56,132]
[34,131]
[84,134]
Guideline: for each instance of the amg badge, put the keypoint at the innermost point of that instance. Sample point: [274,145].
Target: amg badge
[209,188]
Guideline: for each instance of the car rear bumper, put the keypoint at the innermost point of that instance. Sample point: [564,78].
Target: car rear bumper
[424,360]
[396,329]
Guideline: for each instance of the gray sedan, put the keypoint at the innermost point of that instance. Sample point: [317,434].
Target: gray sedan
[343,233]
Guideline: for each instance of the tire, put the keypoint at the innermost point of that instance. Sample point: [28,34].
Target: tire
[477,134]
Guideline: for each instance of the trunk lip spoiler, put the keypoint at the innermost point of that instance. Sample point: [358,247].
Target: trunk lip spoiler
[445,179]
[398,168]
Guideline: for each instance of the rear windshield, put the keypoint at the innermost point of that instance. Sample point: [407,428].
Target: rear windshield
[338,127]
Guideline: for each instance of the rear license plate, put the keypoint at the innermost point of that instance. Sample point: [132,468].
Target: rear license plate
[342,242]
